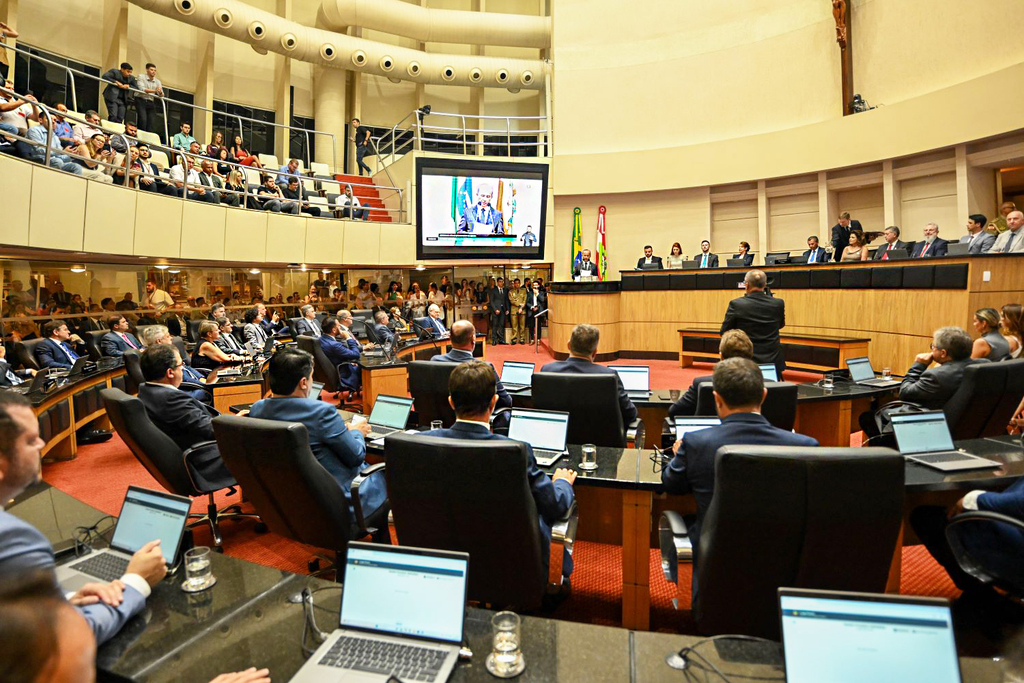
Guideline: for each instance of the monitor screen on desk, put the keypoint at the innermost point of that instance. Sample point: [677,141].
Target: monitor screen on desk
[544,429]
[634,377]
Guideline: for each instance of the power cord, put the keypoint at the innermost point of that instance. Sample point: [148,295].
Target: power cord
[309,626]
[682,661]
[660,457]
[85,536]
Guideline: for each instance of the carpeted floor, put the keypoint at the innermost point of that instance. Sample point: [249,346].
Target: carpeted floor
[101,474]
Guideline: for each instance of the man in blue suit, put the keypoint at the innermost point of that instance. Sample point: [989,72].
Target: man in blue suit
[308,324]
[342,350]
[105,606]
[463,342]
[472,394]
[932,245]
[340,449]
[582,351]
[435,322]
[739,393]
[119,339]
[815,253]
[380,327]
[56,352]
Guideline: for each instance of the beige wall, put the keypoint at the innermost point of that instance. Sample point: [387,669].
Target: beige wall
[931,199]
[791,219]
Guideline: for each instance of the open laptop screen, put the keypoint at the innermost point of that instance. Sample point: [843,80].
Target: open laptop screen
[685,425]
[634,377]
[922,432]
[147,516]
[539,428]
[391,411]
[860,369]
[856,640]
[769,372]
[420,594]
[513,372]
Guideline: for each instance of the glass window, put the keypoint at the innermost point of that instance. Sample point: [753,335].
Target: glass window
[297,147]
[176,113]
[51,83]
[258,138]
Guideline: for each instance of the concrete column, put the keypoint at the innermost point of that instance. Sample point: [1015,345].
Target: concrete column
[115,35]
[762,218]
[477,95]
[9,15]
[202,125]
[975,188]
[329,91]
[282,91]
[890,195]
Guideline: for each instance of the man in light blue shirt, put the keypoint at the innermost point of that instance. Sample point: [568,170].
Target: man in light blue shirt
[288,171]
[37,152]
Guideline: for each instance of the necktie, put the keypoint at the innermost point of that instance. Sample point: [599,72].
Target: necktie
[704,261]
[11,377]
[71,356]
[1009,242]
[925,250]
[814,255]
[128,340]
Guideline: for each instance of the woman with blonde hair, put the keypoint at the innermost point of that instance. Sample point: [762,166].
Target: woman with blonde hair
[207,354]
[990,343]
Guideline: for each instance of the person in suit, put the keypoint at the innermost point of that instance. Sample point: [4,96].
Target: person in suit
[841,234]
[582,350]
[744,253]
[342,350]
[10,377]
[435,323]
[119,339]
[209,179]
[739,393]
[56,352]
[815,253]
[536,302]
[761,316]
[308,324]
[497,301]
[463,342]
[649,259]
[705,259]
[471,388]
[1011,241]
[180,416]
[381,329]
[158,334]
[227,342]
[105,606]
[892,241]
[271,323]
[584,267]
[217,310]
[932,245]
[979,239]
[254,332]
[340,448]
[734,344]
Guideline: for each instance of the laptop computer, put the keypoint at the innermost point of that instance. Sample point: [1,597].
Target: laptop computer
[36,385]
[856,637]
[649,266]
[389,415]
[402,615]
[685,425]
[516,375]
[958,248]
[145,516]
[924,438]
[769,372]
[861,372]
[636,379]
[736,262]
[544,430]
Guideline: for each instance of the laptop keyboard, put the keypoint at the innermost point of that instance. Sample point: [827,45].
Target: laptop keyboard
[407,662]
[106,566]
[944,457]
[380,432]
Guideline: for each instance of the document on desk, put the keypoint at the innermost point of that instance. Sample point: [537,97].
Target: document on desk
[380,442]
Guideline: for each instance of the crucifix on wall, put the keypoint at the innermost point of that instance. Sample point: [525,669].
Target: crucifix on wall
[841,11]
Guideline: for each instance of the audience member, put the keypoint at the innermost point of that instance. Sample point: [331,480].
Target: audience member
[16,111]
[991,344]
[93,155]
[183,141]
[287,172]
[226,341]
[380,327]
[705,259]
[9,377]
[434,323]
[208,355]
[307,324]
[497,301]
[815,253]
[159,334]
[126,304]
[342,350]
[42,136]
[675,259]
[83,132]
[242,156]
[932,245]
[417,300]
[583,342]
[185,182]
[298,194]
[156,298]
[210,180]
[147,172]
[116,93]
[351,207]
[857,249]
[130,138]
[979,239]
[734,344]
[361,138]
[517,312]
[55,351]
[216,145]
[536,303]
[891,235]
[761,316]
[1011,320]
[649,259]
[999,225]
[254,331]
[61,128]
[272,199]
[5,66]
[841,234]
[119,339]
[472,393]
[584,267]
[1010,242]
[145,105]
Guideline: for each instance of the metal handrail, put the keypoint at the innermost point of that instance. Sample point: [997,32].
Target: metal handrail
[419,138]
[163,103]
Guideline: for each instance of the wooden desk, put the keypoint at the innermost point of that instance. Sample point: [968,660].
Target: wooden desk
[805,352]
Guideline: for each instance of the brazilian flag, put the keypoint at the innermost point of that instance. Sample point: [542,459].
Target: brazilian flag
[577,240]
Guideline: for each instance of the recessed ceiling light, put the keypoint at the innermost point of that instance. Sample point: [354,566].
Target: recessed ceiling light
[161,266]
[254,271]
[325,271]
[421,267]
[77,269]
[174,271]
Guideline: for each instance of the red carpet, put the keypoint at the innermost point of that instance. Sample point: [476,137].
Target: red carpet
[101,474]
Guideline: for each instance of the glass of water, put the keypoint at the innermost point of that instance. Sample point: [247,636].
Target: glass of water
[436,424]
[886,373]
[198,572]
[506,657]
[588,459]
[827,383]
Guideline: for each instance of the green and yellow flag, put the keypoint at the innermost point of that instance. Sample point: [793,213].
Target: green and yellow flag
[576,255]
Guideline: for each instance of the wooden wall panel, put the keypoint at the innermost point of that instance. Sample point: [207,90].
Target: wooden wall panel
[866,204]
[730,223]
[791,219]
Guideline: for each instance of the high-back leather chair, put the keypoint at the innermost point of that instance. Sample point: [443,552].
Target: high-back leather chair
[133,371]
[779,406]
[163,459]
[92,342]
[473,496]
[293,326]
[834,522]
[985,400]
[1008,402]
[179,344]
[428,385]
[24,351]
[323,370]
[192,329]
[292,492]
[592,402]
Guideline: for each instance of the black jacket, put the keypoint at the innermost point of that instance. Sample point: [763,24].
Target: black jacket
[761,317]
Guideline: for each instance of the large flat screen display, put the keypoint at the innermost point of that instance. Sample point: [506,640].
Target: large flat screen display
[480,209]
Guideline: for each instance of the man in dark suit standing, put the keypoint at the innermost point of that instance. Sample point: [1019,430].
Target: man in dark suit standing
[734,344]
[585,268]
[536,302]
[582,350]
[119,339]
[815,253]
[497,300]
[56,352]
[180,416]
[841,235]
[892,241]
[649,259]
[739,393]
[471,389]
[932,245]
[761,316]
[463,342]
[705,259]
[308,324]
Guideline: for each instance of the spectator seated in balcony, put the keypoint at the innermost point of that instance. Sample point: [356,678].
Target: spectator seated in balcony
[216,145]
[296,192]
[84,131]
[287,172]
[212,183]
[61,128]
[235,185]
[90,154]
[242,156]
[351,206]
[184,139]
[272,199]
[185,178]
[131,136]
[146,170]
[37,152]
[16,111]
[221,166]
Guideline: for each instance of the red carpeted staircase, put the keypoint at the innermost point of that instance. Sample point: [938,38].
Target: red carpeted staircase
[368,195]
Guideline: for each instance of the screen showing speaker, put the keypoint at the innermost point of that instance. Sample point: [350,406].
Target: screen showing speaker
[480,209]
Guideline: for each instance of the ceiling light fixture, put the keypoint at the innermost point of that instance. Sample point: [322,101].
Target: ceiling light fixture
[254,271]
[421,267]
[161,266]
[174,271]
[77,269]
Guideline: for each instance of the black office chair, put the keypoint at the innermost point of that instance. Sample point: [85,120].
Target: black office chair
[592,402]
[428,385]
[1004,569]
[323,370]
[179,344]
[163,459]
[821,518]
[779,406]
[133,372]
[473,496]
[192,330]
[291,490]
[293,326]
[92,342]
[24,351]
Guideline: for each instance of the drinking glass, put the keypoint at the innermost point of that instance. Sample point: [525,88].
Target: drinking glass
[506,658]
[886,373]
[827,383]
[588,461]
[436,424]
[198,572]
